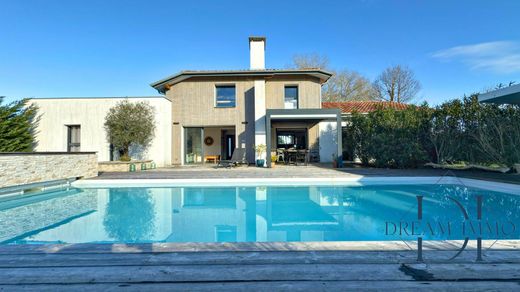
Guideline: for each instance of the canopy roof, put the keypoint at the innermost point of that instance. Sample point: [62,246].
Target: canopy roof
[509,95]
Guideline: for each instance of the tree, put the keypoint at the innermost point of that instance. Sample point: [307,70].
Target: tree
[397,84]
[306,61]
[18,122]
[344,85]
[130,124]
[347,86]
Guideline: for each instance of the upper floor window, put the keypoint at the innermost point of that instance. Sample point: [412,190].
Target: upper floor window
[291,97]
[225,96]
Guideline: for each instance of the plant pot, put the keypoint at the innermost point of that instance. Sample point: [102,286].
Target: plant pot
[260,162]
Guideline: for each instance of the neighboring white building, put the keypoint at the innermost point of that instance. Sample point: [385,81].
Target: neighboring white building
[66,122]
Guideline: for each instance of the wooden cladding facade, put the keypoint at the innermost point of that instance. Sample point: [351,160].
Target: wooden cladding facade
[193,105]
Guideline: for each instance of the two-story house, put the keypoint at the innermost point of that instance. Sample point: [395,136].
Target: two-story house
[213,112]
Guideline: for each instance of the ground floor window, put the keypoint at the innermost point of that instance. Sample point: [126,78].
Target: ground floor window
[291,138]
[73,138]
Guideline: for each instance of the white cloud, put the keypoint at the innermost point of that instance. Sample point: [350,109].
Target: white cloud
[500,57]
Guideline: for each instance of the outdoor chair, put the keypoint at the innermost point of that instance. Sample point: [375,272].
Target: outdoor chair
[280,155]
[301,156]
[314,156]
[291,156]
[238,157]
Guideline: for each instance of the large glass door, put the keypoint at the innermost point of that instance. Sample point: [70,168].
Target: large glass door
[193,145]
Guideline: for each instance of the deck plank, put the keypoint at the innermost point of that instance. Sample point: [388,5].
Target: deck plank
[198,273]
[275,286]
[243,258]
[268,272]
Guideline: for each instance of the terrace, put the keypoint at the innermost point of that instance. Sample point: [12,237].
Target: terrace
[317,170]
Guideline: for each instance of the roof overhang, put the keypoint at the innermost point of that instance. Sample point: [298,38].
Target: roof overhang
[163,85]
[506,95]
[302,114]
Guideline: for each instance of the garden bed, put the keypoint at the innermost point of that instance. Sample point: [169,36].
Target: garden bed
[501,169]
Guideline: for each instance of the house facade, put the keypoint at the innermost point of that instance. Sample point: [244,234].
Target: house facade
[213,112]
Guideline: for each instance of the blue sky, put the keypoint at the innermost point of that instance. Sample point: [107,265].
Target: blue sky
[116,48]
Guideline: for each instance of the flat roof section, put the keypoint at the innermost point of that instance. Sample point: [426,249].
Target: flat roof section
[506,95]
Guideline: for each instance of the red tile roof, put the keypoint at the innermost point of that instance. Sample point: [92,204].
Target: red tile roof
[363,106]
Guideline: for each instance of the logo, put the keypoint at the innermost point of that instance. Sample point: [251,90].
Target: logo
[468,228]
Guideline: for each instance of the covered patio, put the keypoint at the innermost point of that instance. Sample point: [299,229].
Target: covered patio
[305,130]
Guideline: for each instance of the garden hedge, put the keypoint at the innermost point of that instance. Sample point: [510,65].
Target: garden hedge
[457,131]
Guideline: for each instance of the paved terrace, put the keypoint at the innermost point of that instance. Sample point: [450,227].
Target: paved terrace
[314,170]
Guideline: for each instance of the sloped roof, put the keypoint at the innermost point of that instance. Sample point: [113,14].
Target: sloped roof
[162,84]
[348,107]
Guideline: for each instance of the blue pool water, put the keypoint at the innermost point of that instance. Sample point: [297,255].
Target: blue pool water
[272,214]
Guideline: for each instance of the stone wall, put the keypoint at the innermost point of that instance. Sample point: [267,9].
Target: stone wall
[24,168]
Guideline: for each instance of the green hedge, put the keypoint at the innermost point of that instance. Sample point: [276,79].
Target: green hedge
[458,130]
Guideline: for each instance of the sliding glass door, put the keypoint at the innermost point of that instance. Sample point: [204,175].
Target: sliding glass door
[193,145]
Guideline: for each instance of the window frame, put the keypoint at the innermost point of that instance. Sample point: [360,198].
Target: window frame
[215,102]
[297,95]
[70,144]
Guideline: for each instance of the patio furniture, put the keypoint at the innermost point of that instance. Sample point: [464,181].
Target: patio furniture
[238,157]
[314,155]
[302,156]
[212,158]
[290,155]
[295,156]
[280,155]
[190,158]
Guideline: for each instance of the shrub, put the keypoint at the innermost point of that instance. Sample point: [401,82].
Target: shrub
[457,130]
[18,123]
[395,137]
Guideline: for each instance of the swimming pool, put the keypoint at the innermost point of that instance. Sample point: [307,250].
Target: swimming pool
[298,212]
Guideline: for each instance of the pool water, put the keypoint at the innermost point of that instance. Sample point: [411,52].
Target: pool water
[259,214]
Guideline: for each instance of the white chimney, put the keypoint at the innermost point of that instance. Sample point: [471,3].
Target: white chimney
[256,53]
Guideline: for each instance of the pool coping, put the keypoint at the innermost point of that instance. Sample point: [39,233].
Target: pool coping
[299,181]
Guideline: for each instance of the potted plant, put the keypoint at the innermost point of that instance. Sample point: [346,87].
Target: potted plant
[273,160]
[260,149]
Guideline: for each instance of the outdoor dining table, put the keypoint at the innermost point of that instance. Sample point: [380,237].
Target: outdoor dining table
[293,153]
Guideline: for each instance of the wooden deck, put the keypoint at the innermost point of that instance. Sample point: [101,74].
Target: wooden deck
[151,268]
